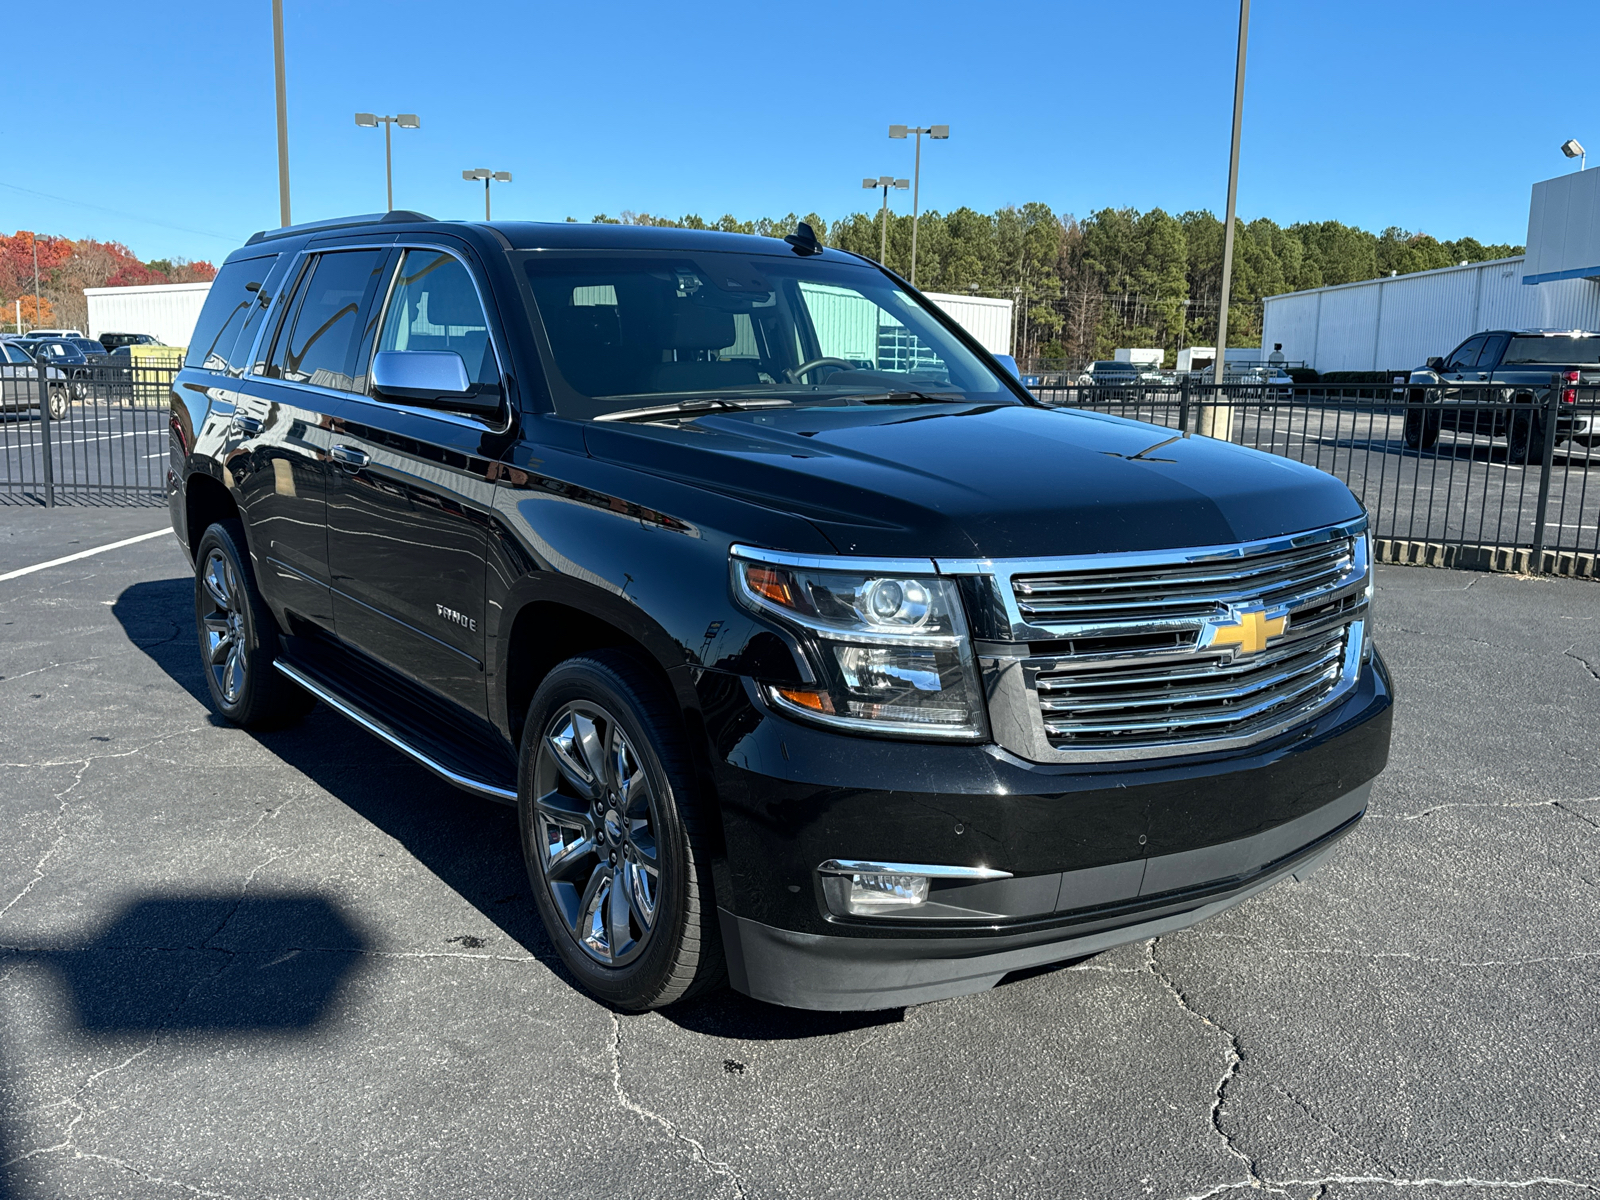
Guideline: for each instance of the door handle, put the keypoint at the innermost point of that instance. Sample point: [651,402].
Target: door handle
[246,424]
[349,456]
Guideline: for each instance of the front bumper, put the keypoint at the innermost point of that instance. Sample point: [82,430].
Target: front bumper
[807,970]
[1099,854]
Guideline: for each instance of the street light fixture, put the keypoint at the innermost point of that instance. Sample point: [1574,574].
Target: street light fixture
[487,176]
[885,182]
[405,121]
[1572,148]
[938,133]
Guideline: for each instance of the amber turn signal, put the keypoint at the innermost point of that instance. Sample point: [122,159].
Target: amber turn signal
[816,701]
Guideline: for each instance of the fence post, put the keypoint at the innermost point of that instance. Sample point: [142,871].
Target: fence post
[1183,404]
[44,432]
[1552,405]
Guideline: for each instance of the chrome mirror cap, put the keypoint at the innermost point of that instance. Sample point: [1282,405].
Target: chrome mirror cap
[415,373]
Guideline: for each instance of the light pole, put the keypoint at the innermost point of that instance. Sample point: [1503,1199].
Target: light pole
[1218,421]
[487,176]
[1572,148]
[885,182]
[283,112]
[405,121]
[938,133]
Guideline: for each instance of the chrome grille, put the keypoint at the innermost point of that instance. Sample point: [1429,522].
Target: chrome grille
[1125,660]
[1186,591]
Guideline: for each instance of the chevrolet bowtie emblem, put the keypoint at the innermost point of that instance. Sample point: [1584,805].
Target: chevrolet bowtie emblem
[1248,629]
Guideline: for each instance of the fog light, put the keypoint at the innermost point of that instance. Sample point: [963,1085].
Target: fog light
[870,894]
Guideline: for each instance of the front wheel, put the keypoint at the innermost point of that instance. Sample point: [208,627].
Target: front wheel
[1422,429]
[612,835]
[58,402]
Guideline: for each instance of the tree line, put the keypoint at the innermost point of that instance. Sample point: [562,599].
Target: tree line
[65,268]
[1118,277]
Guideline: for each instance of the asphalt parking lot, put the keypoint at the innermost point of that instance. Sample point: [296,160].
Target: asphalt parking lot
[296,965]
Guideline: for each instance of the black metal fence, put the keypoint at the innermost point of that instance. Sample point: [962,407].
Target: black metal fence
[1473,474]
[1470,475]
[93,433]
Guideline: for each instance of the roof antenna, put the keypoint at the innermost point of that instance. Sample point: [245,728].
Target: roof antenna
[804,240]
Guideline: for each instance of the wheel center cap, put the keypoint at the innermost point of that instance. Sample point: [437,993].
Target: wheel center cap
[613,825]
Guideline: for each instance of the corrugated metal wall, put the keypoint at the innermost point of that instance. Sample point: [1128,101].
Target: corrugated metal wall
[985,318]
[1398,322]
[166,311]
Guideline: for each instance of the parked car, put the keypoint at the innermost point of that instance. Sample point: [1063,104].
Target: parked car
[53,333]
[19,381]
[1518,367]
[70,355]
[857,678]
[1109,373]
[115,341]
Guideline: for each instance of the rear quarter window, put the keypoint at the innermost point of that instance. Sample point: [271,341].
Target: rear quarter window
[227,307]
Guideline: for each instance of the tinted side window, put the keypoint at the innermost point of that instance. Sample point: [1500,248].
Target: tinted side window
[1492,346]
[1465,355]
[319,338]
[227,305]
[435,307]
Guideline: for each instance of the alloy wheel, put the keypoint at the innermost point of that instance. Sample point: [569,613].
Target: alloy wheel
[595,817]
[225,626]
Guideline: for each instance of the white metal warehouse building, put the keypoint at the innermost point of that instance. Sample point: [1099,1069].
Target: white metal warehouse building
[1398,322]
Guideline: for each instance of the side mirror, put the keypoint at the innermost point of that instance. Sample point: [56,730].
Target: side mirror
[430,379]
[1436,363]
[1009,363]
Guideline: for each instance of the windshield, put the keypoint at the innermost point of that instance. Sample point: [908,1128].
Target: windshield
[1556,351]
[640,329]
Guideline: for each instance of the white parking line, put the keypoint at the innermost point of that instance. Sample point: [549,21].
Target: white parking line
[56,562]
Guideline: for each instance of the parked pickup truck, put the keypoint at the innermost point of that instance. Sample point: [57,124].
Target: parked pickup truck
[1520,367]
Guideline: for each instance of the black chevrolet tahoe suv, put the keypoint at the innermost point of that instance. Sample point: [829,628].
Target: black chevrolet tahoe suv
[1499,383]
[815,654]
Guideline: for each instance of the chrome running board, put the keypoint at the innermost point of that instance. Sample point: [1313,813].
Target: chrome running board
[378,729]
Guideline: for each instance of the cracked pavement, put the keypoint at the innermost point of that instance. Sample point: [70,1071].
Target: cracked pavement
[295,965]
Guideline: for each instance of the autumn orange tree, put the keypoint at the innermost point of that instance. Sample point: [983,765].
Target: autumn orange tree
[67,267]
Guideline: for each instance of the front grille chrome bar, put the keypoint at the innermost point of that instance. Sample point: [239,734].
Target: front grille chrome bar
[1153,654]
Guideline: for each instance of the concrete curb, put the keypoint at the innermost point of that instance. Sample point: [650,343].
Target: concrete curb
[1487,558]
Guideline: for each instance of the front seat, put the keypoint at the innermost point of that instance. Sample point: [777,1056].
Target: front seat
[694,335]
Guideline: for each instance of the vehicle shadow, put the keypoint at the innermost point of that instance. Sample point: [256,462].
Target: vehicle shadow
[471,844]
[212,969]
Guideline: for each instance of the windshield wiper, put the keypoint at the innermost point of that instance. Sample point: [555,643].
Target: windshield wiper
[906,398]
[656,412]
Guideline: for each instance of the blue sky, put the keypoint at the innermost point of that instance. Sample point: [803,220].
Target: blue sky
[1428,115]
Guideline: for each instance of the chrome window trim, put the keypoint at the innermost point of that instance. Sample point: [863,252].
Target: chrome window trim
[850,866]
[293,277]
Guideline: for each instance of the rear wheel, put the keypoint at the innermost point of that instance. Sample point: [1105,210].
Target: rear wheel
[612,836]
[1527,439]
[59,400]
[238,636]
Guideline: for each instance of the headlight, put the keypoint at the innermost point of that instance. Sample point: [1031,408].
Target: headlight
[892,648]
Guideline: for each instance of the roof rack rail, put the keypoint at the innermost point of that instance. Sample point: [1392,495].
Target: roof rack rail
[387,218]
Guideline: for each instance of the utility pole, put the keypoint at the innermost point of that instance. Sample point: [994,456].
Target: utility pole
[36,321]
[372,121]
[283,112]
[1218,420]
[487,176]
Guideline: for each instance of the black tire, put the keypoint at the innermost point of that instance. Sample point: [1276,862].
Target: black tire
[239,637]
[579,839]
[1527,439]
[1422,429]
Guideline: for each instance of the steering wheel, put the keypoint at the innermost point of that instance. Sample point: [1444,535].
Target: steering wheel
[794,373]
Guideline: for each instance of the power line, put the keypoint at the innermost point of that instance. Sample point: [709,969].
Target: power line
[221,237]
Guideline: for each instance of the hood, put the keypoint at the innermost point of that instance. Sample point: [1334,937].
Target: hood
[984,481]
